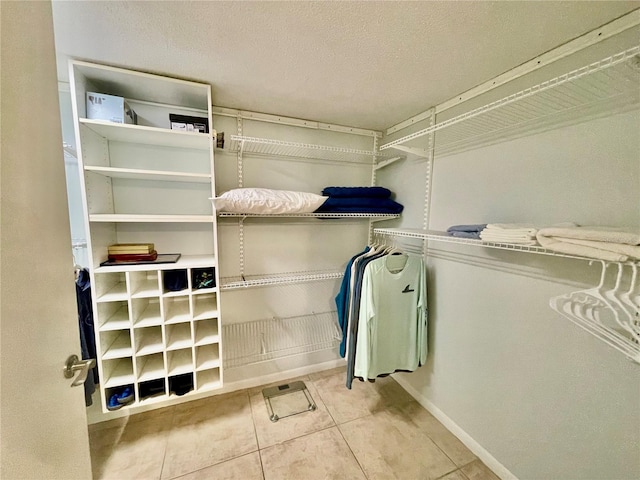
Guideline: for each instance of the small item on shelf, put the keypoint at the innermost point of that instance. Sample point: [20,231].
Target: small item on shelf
[119,397]
[151,388]
[133,257]
[203,278]
[175,280]
[188,123]
[110,108]
[181,384]
[161,258]
[130,248]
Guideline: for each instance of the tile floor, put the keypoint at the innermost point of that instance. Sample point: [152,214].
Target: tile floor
[374,431]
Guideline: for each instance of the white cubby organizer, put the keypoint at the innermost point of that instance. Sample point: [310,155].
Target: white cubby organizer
[148,183]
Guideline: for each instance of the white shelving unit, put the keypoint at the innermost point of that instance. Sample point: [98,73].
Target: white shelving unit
[148,183]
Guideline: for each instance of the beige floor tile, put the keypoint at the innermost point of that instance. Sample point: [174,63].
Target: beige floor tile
[131,451]
[247,467]
[477,470]
[447,441]
[269,433]
[363,399]
[209,431]
[327,373]
[166,412]
[457,475]
[388,445]
[321,455]
[254,390]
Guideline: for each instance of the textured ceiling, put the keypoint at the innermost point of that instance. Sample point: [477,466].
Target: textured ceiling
[362,64]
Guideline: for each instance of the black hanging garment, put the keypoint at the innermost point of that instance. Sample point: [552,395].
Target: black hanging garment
[87,334]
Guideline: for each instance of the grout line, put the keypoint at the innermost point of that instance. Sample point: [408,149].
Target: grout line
[215,464]
[353,453]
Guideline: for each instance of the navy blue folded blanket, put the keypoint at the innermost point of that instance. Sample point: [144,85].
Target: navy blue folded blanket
[360,205]
[356,192]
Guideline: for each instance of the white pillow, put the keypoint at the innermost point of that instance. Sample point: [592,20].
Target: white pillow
[266,201]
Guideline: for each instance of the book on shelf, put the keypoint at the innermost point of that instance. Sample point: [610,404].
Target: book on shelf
[131,248]
[133,257]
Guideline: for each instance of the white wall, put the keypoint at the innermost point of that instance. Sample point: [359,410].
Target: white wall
[544,398]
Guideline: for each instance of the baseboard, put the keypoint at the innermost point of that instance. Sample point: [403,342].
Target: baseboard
[477,449]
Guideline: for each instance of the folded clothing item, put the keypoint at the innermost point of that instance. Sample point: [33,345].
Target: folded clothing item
[360,205]
[466,231]
[512,228]
[604,243]
[518,233]
[474,235]
[467,228]
[361,192]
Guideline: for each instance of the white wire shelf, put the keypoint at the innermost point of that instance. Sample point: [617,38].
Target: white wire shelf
[248,281]
[444,237]
[378,216]
[605,87]
[265,146]
[263,340]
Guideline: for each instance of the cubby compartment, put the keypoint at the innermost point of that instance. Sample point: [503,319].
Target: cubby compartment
[205,306]
[148,340]
[179,336]
[111,287]
[113,316]
[150,367]
[175,282]
[119,396]
[116,344]
[144,284]
[179,362]
[117,372]
[206,332]
[176,310]
[181,384]
[207,357]
[145,312]
[203,279]
[208,379]
[152,389]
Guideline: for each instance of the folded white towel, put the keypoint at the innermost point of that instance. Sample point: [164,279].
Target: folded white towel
[521,228]
[596,234]
[605,243]
[498,238]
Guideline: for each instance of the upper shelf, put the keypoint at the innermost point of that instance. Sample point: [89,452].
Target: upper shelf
[140,174]
[265,146]
[606,87]
[444,237]
[121,132]
[143,218]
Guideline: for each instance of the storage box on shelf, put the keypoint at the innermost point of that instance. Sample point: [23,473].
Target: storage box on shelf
[148,183]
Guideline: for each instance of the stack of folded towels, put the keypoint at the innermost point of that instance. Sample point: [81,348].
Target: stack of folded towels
[359,200]
[605,243]
[518,233]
